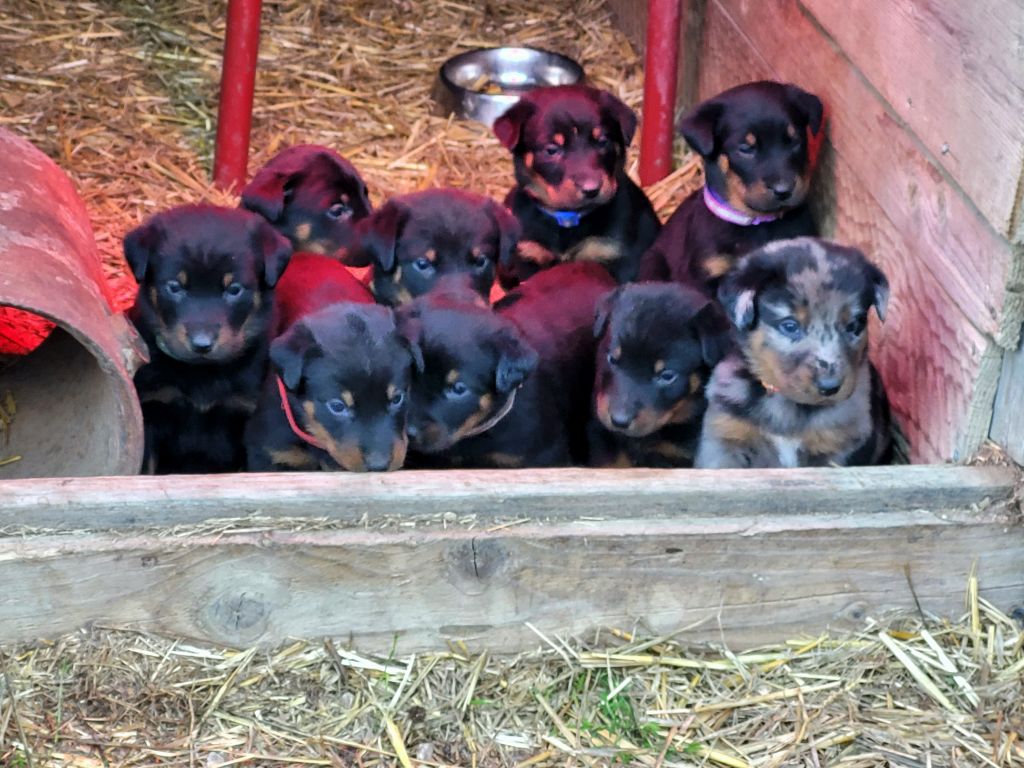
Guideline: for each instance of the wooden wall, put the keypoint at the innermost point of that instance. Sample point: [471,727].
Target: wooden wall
[923,169]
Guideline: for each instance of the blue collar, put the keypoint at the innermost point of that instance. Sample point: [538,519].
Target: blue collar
[565,219]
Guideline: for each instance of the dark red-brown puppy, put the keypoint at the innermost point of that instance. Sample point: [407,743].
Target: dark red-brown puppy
[508,387]
[754,142]
[310,283]
[415,240]
[312,195]
[206,278]
[659,342]
[572,195]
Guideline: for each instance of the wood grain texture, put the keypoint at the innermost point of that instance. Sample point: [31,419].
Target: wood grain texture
[156,502]
[1008,415]
[953,72]
[939,369]
[969,260]
[749,579]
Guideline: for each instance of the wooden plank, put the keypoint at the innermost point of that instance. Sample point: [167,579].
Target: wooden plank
[490,496]
[953,71]
[745,579]
[968,258]
[1008,416]
[940,371]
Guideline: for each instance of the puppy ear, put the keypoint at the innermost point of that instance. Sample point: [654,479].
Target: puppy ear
[621,114]
[268,192]
[509,127]
[517,361]
[714,332]
[808,104]
[603,312]
[699,127]
[881,289]
[289,353]
[378,236]
[410,330]
[274,248]
[508,231]
[141,244]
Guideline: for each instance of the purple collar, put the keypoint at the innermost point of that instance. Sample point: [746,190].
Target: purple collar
[726,212]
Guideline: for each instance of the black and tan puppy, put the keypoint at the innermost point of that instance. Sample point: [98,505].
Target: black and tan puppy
[507,387]
[754,141]
[206,277]
[801,391]
[659,342]
[312,195]
[414,240]
[572,195]
[336,395]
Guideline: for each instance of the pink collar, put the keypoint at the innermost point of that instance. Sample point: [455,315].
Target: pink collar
[287,408]
[726,212]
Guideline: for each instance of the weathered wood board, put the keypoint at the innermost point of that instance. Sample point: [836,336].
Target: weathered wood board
[761,557]
[953,72]
[1008,415]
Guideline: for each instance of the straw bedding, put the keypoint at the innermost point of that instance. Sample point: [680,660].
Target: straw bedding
[122,94]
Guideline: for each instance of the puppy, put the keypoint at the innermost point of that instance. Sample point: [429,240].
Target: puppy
[801,391]
[572,195]
[336,395]
[507,387]
[754,141]
[658,344]
[312,195]
[312,282]
[206,277]
[414,240]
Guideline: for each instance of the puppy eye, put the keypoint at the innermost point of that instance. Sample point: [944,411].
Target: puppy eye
[338,211]
[397,400]
[456,389]
[234,290]
[552,150]
[601,142]
[612,359]
[856,326]
[791,327]
[480,261]
[337,406]
[423,264]
[745,150]
[667,377]
[174,288]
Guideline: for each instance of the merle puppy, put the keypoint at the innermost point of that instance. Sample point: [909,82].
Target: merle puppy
[337,394]
[312,195]
[206,278]
[754,142]
[508,387]
[414,240]
[800,391]
[658,344]
[572,195]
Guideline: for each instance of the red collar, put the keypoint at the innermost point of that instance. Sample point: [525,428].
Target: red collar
[287,408]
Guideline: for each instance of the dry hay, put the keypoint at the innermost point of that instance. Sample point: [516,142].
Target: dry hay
[122,94]
[907,691]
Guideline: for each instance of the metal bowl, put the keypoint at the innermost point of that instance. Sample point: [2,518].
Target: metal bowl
[481,84]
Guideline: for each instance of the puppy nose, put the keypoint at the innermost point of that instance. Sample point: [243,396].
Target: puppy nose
[377,462]
[620,419]
[782,190]
[829,385]
[590,188]
[201,341]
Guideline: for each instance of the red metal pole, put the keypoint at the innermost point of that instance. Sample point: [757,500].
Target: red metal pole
[237,83]
[660,71]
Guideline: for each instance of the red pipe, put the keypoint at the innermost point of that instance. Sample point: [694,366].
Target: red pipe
[660,72]
[237,83]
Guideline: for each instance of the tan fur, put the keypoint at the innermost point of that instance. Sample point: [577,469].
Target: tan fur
[303,231]
[504,460]
[559,139]
[826,442]
[601,250]
[164,395]
[391,391]
[452,377]
[717,265]
[293,457]
[673,452]
[398,450]
[485,406]
[430,254]
[659,366]
[733,429]
[228,279]
[183,278]
[696,382]
[346,455]
[348,398]
[532,251]
[751,139]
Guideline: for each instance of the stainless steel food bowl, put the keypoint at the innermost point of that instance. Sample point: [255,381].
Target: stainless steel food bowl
[481,84]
